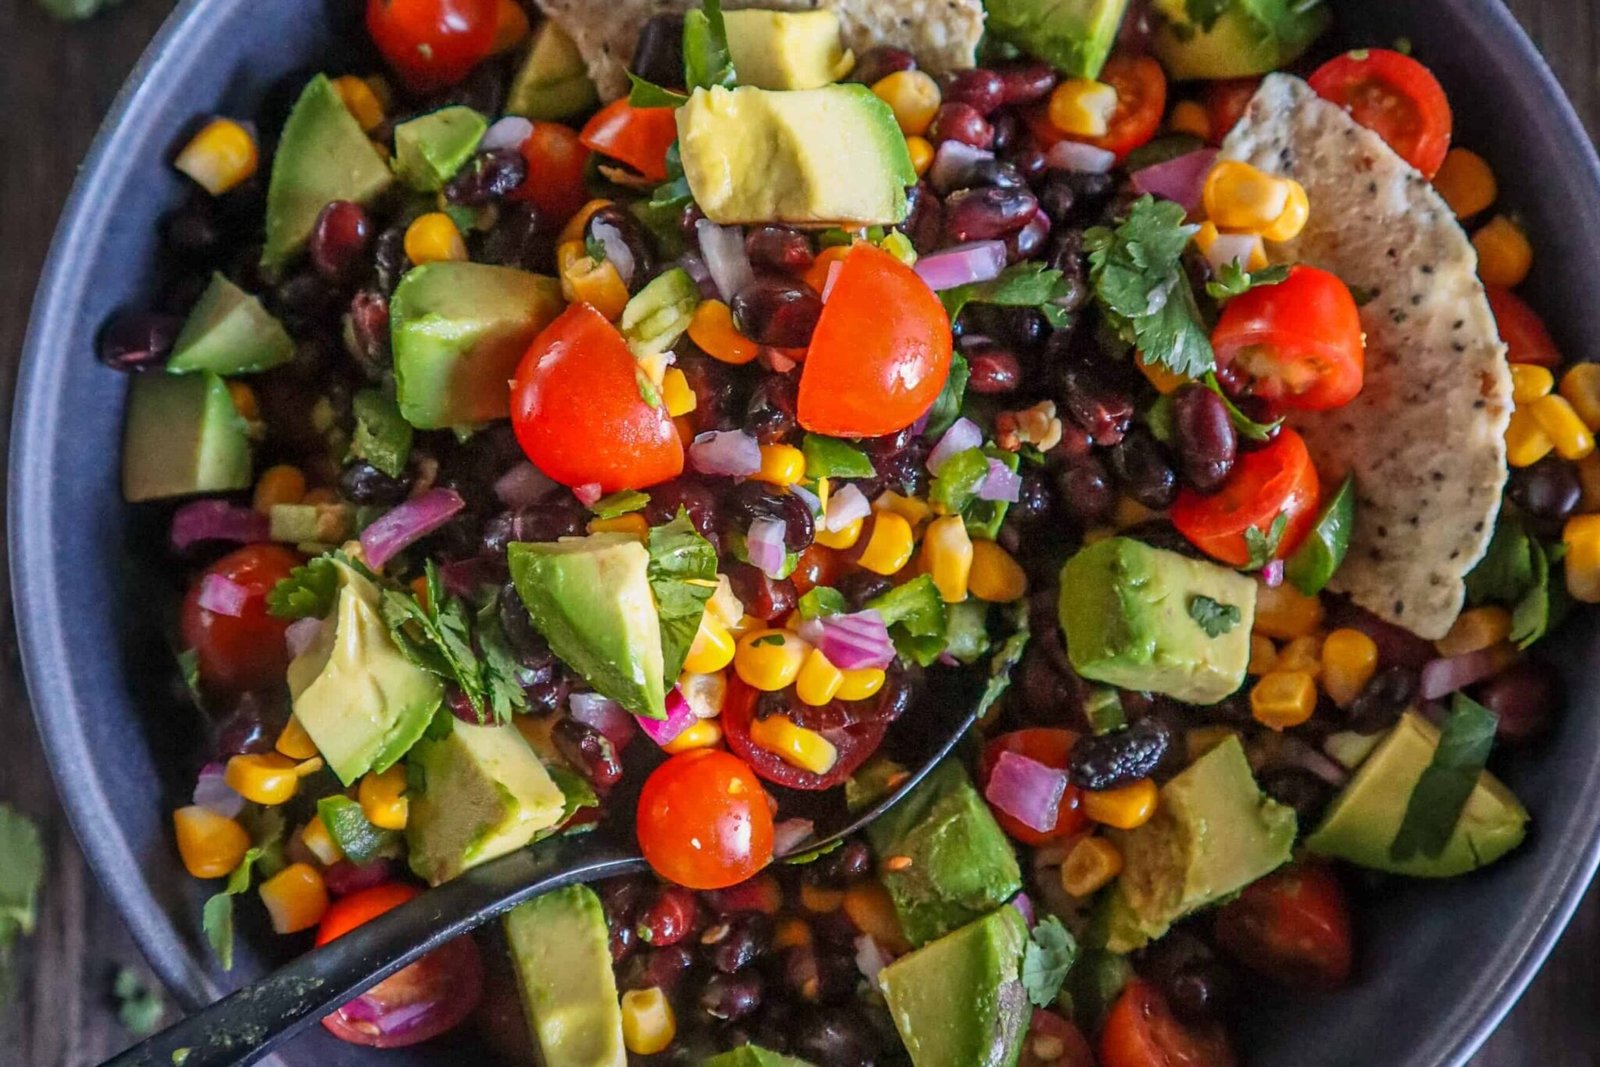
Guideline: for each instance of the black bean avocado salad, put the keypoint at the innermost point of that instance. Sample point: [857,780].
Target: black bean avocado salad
[512,408]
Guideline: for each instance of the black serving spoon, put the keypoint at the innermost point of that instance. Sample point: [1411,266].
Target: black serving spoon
[251,1022]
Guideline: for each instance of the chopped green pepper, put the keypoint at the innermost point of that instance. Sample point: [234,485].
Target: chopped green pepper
[1319,555]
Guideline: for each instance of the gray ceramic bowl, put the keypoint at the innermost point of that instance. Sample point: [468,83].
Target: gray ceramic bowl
[1439,964]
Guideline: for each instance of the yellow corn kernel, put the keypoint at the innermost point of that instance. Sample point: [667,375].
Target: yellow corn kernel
[262,778]
[1302,654]
[1284,613]
[648,1025]
[210,845]
[1080,107]
[871,910]
[585,281]
[433,238]
[1167,381]
[913,96]
[1504,255]
[360,100]
[573,230]
[1287,226]
[1189,116]
[676,394]
[819,680]
[820,900]
[1560,423]
[860,683]
[947,555]
[781,465]
[1475,630]
[633,524]
[995,577]
[1581,535]
[702,733]
[796,745]
[294,742]
[1529,382]
[283,484]
[791,933]
[1581,387]
[222,155]
[1238,196]
[711,328]
[1207,235]
[383,798]
[295,898]
[769,659]
[1125,808]
[1090,866]
[1466,182]
[889,544]
[315,836]
[1263,654]
[1526,441]
[1282,699]
[1349,660]
[921,154]
[913,509]
[712,647]
[845,538]
[654,367]
[244,401]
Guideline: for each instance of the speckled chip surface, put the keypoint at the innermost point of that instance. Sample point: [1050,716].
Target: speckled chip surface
[1425,439]
[942,34]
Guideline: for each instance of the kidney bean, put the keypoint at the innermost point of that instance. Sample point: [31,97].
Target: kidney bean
[779,248]
[850,862]
[994,370]
[732,996]
[389,258]
[1021,150]
[366,334]
[658,57]
[138,340]
[961,122]
[924,217]
[984,214]
[664,967]
[1025,82]
[763,597]
[1099,410]
[591,752]
[1008,129]
[1086,491]
[673,915]
[1525,696]
[993,173]
[770,415]
[1064,252]
[778,311]
[339,240]
[1548,490]
[487,177]
[980,89]
[1207,443]
[1143,470]
[753,500]
[878,63]
[616,223]
[1378,706]
[1121,758]
[245,730]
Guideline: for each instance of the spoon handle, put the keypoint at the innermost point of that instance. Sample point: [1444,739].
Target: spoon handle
[249,1023]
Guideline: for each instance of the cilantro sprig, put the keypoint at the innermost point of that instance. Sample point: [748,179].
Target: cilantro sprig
[1263,546]
[1050,954]
[1233,280]
[1516,572]
[683,575]
[1031,285]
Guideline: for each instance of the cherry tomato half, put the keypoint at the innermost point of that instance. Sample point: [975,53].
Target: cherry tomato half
[361,907]
[1521,328]
[854,742]
[1141,1031]
[1292,926]
[1277,479]
[1226,102]
[1048,1032]
[555,158]
[238,653]
[433,43]
[1299,342]
[637,136]
[1046,746]
[880,352]
[1395,97]
[704,820]
[1141,87]
[578,412]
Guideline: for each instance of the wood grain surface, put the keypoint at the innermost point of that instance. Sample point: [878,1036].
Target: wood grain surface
[56,81]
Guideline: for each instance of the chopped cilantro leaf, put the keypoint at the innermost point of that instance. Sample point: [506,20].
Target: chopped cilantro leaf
[619,503]
[1213,616]
[309,591]
[439,639]
[216,918]
[1244,424]
[1515,573]
[1233,280]
[1027,284]
[1049,956]
[595,249]
[683,575]
[1140,283]
[648,94]
[1441,794]
[1263,546]
[1005,660]
[947,405]
[139,1005]
[707,60]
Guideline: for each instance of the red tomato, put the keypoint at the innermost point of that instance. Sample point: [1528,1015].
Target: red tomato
[433,43]
[361,907]
[1293,926]
[1226,102]
[1521,328]
[1049,747]
[704,820]
[854,742]
[247,651]
[554,185]
[1048,1031]
[1298,342]
[578,412]
[1395,97]
[1277,479]
[1142,1032]
[1141,87]
[637,136]
[880,352]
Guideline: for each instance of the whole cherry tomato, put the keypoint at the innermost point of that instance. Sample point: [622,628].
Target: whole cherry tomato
[704,821]
[1521,328]
[1141,1031]
[555,158]
[1141,87]
[433,43]
[880,352]
[1293,926]
[238,653]
[579,411]
[1051,748]
[1277,479]
[1226,102]
[1395,97]
[637,136]
[1299,343]
[854,740]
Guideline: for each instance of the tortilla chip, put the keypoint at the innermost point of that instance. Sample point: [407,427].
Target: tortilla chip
[1425,439]
[942,34]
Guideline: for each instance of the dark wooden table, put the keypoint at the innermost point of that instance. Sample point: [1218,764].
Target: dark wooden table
[56,81]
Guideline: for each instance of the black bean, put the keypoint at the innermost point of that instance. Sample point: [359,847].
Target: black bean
[138,340]
[978,88]
[1207,443]
[763,597]
[1301,790]
[1026,242]
[658,57]
[1378,706]
[362,483]
[878,63]
[1143,470]
[753,500]
[717,392]
[1008,130]
[1086,491]
[1119,758]
[193,230]
[736,942]
[1525,697]
[770,415]
[1548,490]
[245,730]
[778,248]
[845,864]
[620,898]
[1021,149]
[688,494]
[305,302]
[993,173]
[1064,252]
[483,90]
[984,214]
[1197,983]
[664,968]
[776,310]
[389,258]
[1074,197]
[1036,499]
[589,751]
[550,520]
[816,975]
[487,177]
[860,586]
[924,217]
[732,996]
[520,239]
[840,1036]
[616,224]
[1016,327]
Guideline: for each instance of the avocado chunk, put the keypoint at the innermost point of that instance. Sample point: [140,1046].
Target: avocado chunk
[322,156]
[959,1001]
[429,149]
[552,82]
[482,793]
[562,951]
[231,333]
[1248,37]
[832,156]
[354,691]
[754,1056]
[183,436]
[1129,615]
[1074,36]
[787,49]
[459,330]
[1214,832]
[590,598]
[1362,821]
[961,866]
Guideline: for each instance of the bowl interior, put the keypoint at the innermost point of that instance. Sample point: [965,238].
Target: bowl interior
[86,568]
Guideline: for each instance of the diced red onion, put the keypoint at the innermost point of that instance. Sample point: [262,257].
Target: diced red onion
[1445,676]
[1316,761]
[846,505]
[1024,904]
[605,715]
[953,164]
[962,435]
[723,249]
[810,631]
[587,493]
[1272,574]
[301,635]
[870,956]
[408,523]
[680,716]
[1179,179]
[1026,790]
[1084,158]
[976,261]
[727,452]
[813,502]
[618,254]
[1228,248]
[1001,483]
[510,132]
[833,276]
[695,265]
[217,520]
[223,595]
[790,834]
[523,486]
[214,794]
[857,641]
[764,544]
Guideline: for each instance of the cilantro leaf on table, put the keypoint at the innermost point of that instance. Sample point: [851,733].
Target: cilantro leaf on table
[139,1005]
[1029,285]
[683,575]
[707,60]
[21,873]
[1233,280]
[438,638]
[1263,546]
[1442,792]
[309,591]
[1213,616]
[1050,954]
[76,9]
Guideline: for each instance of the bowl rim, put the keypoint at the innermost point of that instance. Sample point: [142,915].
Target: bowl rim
[41,621]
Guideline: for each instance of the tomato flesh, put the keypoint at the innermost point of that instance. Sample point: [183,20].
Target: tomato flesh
[1299,342]
[1141,87]
[1292,926]
[1225,103]
[637,136]
[236,654]
[854,743]
[1395,97]
[1051,748]
[1048,1032]
[1265,483]
[1141,1031]
[433,43]
[704,821]
[556,159]
[1527,340]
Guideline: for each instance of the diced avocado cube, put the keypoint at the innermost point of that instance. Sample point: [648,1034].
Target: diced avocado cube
[787,49]
[1075,36]
[959,1002]
[1247,38]
[1214,832]
[657,315]
[311,524]
[562,951]
[1129,614]
[231,333]
[1361,823]
[459,331]
[961,865]
[590,598]
[431,148]
[832,156]
[361,700]
[323,156]
[183,436]
[552,82]
[479,792]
